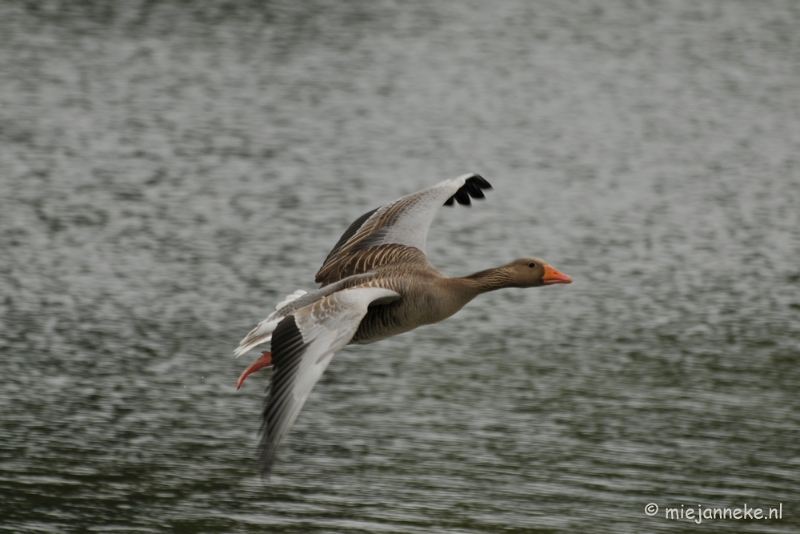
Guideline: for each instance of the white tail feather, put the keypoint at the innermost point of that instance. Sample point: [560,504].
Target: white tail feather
[262,333]
[289,298]
[258,335]
[244,347]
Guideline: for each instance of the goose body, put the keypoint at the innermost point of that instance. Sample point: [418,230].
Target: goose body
[375,283]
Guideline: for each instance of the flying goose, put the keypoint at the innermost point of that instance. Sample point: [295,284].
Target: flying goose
[375,283]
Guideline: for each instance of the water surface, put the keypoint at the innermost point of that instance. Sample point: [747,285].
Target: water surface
[169,171]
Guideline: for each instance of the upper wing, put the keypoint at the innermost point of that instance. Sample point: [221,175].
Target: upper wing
[302,346]
[396,226]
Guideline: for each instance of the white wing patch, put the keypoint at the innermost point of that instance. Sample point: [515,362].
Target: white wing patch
[262,333]
[290,298]
[418,211]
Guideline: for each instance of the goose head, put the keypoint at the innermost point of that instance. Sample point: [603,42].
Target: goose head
[534,272]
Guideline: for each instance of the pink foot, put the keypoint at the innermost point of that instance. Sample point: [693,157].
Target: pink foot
[264,361]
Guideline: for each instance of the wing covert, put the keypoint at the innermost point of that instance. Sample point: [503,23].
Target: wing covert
[404,222]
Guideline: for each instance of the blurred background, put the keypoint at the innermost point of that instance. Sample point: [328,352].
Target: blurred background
[170,170]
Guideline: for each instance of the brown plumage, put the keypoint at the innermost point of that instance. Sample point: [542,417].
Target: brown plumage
[375,283]
[366,260]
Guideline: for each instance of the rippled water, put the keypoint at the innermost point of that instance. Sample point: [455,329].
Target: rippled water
[168,171]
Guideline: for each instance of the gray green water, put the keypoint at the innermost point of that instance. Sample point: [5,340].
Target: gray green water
[168,171]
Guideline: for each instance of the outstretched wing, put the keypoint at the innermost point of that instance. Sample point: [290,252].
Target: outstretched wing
[385,234]
[303,344]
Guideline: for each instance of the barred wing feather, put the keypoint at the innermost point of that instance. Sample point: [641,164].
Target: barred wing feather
[403,222]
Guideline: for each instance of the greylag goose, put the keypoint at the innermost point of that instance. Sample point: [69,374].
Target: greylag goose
[375,283]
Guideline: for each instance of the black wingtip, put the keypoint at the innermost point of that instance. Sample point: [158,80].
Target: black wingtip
[479,181]
[472,188]
[462,196]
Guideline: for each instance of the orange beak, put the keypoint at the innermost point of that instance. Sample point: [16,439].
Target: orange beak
[553,276]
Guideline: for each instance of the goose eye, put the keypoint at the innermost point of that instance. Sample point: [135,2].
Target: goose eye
[531,265]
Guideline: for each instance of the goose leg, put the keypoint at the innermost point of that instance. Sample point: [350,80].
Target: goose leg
[264,361]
